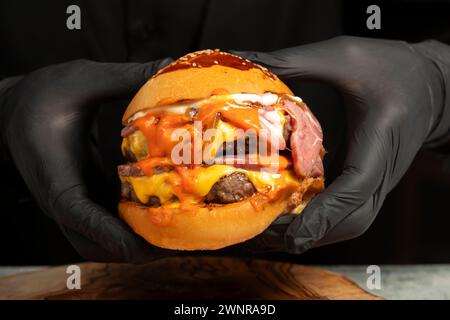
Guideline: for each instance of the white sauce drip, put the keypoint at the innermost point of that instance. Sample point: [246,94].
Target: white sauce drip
[266,99]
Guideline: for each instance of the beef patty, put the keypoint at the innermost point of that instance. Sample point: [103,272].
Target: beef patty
[228,189]
[128,193]
[231,188]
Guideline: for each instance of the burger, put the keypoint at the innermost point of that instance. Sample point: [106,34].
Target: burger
[217,148]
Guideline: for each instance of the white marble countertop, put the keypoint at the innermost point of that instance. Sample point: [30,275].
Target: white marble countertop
[397,281]
[404,282]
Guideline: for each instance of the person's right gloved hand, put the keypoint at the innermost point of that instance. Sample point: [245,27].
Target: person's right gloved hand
[44,122]
[397,100]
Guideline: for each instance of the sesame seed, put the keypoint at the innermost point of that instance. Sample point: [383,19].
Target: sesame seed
[216,62]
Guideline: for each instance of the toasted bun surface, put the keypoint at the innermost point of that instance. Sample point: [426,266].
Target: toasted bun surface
[200,75]
[211,227]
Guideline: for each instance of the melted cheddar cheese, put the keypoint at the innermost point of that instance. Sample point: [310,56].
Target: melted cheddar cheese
[225,132]
[137,144]
[166,185]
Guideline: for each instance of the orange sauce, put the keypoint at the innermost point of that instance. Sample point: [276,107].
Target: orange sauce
[158,128]
[148,165]
[257,201]
[183,185]
[244,117]
[160,216]
[188,178]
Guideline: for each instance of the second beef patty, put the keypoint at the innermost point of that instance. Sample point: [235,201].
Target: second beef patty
[231,188]
[228,189]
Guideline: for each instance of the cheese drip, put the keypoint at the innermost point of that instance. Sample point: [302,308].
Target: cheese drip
[169,187]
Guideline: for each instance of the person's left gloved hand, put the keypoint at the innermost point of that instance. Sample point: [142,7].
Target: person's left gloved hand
[396,98]
[44,123]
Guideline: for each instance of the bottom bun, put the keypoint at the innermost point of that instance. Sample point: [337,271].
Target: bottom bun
[213,227]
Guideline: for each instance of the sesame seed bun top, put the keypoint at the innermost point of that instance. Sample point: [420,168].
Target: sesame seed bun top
[202,74]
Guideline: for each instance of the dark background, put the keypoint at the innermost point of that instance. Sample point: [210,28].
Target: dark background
[412,226]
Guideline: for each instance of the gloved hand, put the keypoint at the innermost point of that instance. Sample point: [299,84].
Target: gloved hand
[396,98]
[44,122]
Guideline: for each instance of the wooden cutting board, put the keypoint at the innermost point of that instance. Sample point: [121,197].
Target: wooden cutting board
[186,278]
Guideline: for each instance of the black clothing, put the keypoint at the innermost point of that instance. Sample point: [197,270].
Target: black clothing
[34,35]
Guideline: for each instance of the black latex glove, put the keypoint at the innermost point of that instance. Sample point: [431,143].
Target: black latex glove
[395,99]
[45,119]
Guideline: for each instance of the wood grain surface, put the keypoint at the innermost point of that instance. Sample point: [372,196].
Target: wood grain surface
[186,278]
